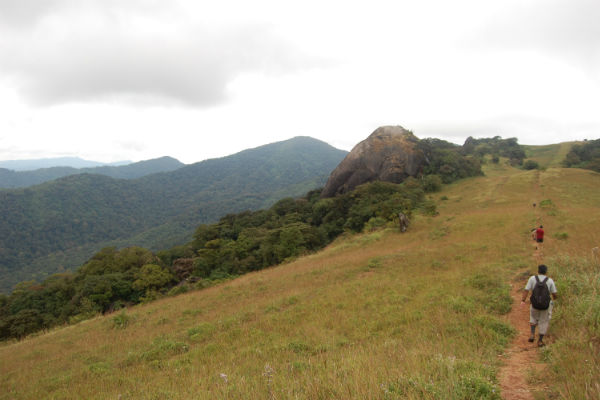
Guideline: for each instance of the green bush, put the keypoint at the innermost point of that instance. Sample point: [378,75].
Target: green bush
[531,164]
[432,183]
[121,321]
[375,223]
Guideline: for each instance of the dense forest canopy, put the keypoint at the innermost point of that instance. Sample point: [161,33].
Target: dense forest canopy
[58,225]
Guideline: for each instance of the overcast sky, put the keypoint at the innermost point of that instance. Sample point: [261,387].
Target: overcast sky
[112,80]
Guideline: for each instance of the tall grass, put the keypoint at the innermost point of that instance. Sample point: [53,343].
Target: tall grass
[575,355]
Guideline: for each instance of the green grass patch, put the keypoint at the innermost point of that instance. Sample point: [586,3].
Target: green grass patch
[493,293]
[561,235]
[201,331]
[448,378]
[163,348]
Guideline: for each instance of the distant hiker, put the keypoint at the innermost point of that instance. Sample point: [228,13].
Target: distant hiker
[403,220]
[533,205]
[539,237]
[543,291]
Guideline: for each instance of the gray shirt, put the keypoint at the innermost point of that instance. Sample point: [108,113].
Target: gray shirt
[531,283]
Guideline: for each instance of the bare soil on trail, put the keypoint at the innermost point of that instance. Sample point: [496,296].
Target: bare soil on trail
[521,356]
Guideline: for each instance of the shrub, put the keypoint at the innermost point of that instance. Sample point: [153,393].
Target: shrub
[432,183]
[375,223]
[531,164]
[121,321]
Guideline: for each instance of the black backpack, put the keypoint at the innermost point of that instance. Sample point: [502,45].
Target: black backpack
[540,297]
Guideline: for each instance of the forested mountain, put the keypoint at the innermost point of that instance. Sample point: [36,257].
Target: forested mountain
[60,224]
[19,179]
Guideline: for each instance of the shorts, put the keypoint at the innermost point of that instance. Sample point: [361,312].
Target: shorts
[540,240]
[541,318]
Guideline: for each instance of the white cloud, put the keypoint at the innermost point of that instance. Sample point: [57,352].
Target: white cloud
[83,55]
[564,29]
[113,79]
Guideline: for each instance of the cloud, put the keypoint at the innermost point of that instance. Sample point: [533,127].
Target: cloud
[102,56]
[23,13]
[567,29]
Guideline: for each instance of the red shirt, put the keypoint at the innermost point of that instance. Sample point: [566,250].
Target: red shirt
[539,233]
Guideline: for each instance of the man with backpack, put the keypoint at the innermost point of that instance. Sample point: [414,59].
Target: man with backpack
[543,291]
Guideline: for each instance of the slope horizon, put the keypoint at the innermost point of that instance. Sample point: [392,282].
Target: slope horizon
[55,161]
[81,162]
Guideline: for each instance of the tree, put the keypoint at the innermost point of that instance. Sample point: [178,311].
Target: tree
[432,183]
[531,164]
[25,322]
[152,277]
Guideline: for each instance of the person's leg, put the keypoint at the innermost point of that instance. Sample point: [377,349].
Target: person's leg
[533,321]
[544,321]
[532,337]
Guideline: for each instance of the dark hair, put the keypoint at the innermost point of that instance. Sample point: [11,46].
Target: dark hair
[542,269]
[541,226]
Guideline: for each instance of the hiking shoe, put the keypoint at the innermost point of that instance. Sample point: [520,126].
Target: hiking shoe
[541,344]
[531,339]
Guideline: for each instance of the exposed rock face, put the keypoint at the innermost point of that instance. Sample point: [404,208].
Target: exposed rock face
[388,154]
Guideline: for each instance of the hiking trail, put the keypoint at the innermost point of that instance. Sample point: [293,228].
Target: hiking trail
[521,357]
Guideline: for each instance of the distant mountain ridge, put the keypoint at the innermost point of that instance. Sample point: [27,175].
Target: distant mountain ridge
[39,163]
[59,224]
[16,179]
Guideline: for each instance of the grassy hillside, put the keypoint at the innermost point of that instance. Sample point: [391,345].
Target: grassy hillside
[381,315]
[548,156]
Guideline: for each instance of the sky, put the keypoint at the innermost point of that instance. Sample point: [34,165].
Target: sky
[111,80]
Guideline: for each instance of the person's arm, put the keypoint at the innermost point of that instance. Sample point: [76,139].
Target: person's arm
[524,297]
[554,296]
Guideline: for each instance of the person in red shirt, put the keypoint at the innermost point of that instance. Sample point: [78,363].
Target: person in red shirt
[539,236]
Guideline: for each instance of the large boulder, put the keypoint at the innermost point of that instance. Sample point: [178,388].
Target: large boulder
[389,154]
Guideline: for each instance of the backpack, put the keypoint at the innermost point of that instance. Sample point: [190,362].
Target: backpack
[540,297]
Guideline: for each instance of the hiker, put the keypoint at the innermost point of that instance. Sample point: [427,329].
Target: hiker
[533,234]
[539,237]
[543,291]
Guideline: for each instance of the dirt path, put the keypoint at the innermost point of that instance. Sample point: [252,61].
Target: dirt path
[521,357]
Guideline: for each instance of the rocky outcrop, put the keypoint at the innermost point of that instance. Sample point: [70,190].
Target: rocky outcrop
[389,154]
